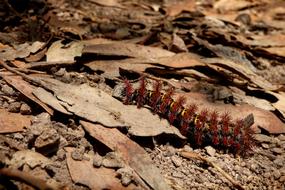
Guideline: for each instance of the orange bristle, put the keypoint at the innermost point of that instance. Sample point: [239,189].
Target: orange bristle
[128,92]
[175,108]
[155,97]
[166,100]
[141,93]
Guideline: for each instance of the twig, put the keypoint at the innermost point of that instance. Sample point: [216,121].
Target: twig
[29,179]
[190,155]
[24,76]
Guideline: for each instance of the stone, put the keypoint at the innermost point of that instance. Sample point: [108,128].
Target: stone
[264,145]
[7,90]
[210,150]
[176,161]
[170,151]
[281,137]
[126,174]
[14,107]
[25,109]
[177,174]
[47,142]
[188,148]
[282,179]
[262,138]
[277,150]
[77,154]
[97,160]
[267,174]
[112,160]
[279,161]
[276,174]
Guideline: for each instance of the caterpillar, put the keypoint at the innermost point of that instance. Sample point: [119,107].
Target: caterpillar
[202,127]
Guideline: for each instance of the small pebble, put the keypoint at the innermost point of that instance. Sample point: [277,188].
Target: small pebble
[7,90]
[97,160]
[276,174]
[177,174]
[176,161]
[14,107]
[210,150]
[264,145]
[277,150]
[188,148]
[25,109]
[282,179]
[262,138]
[281,137]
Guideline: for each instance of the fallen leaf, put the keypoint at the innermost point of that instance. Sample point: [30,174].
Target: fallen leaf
[60,52]
[96,105]
[264,119]
[134,155]
[13,122]
[20,51]
[280,104]
[127,49]
[85,173]
[242,72]
[24,87]
[49,99]
[176,7]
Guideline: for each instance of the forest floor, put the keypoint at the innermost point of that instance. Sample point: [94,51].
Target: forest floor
[71,72]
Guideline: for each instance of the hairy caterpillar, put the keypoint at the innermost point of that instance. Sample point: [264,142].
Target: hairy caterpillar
[202,127]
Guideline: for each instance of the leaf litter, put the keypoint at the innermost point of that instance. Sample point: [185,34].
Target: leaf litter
[218,54]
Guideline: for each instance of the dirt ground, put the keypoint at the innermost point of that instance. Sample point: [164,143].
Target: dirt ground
[64,119]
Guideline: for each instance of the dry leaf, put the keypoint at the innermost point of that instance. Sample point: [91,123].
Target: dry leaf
[24,87]
[60,52]
[134,155]
[85,173]
[176,7]
[127,49]
[20,51]
[264,119]
[96,105]
[13,122]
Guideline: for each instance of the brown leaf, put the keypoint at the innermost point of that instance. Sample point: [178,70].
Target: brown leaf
[280,104]
[111,68]
[84,173]
[60,52]
[264,119]
[127,49]
[96,105]
[241,71]
[20,51]
[49,99]
[13,122]
[24,87]
[176,7]
[134,155]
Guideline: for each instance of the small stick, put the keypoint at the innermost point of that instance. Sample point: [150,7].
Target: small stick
[190,155]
